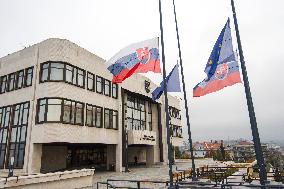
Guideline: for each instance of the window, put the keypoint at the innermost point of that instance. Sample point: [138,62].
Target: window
[99,84]
[18,135]
[29,76]
[42,109]
[94,116]
[16,80]
[57,110]
[150,126]
[56,71]
[44,72]
[107,85]
[5,120]
[90,81]
[69,73]
[111,119]
[13,123]
[176,131]
[11,81]
[20,79]
[174,112]
[81,78]
[53,110]
[3,84]
[60,71]
[136,113]
[114,90]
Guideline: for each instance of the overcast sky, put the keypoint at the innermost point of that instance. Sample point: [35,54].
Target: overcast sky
[105,26]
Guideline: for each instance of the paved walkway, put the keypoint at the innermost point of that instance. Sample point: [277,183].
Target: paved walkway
[157,172]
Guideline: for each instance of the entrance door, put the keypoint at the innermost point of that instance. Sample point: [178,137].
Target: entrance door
[87,156]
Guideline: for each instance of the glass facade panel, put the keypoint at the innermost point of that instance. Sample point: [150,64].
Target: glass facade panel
[11,82]
[114,90]
[56,71]
[136,113]
[69,74]
[99,84]
[53,110]
[44,72]
[91,82]
[107,85]
[20,79]
[60,111]
[3,84]
[12,123]
[29,76]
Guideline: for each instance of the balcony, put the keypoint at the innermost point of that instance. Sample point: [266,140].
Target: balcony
[142,137]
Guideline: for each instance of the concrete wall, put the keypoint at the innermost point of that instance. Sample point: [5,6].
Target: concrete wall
[53,158]
[67,179]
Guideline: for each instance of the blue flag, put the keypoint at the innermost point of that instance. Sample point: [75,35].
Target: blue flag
[173,84]
[222,67]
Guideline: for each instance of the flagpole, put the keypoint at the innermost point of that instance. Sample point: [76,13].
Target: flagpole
[253,123]
[185,100]
[166,99]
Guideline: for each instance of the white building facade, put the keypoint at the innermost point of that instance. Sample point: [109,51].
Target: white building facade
[59,110]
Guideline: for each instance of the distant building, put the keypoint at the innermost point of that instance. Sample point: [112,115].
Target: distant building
[243,151]
[59,110]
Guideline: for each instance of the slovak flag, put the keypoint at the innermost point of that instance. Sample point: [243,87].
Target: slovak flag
[140,57]
[222,68]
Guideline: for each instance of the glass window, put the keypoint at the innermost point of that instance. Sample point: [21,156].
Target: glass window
[29,76]
[107,85]
[99,116]
[79,113]
[60,110]
[94,116]
[107,117]
[89,115]
[44,72]
[99,84]
[111,119]
[11,81]
[81,77]
[56,71]
[114,90]
[20,79]
[41,110]
[15,143]
[115,119]
[91,81]
[136,112]
[53,110]
[3,84]
[67,108]
[69,73]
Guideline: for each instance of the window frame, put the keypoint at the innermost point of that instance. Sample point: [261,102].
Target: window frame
[109,87]
[26,76]
[94,81]
[61,111]
[94,109]
[111,116]
[114,86]
[9,82]
[102,84]
[17,80]
[23,106]
[64,80]
[1,84]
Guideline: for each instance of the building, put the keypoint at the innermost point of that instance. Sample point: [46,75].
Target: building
[59,110]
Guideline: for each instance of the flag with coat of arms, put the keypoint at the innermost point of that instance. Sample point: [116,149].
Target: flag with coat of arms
[140,57]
